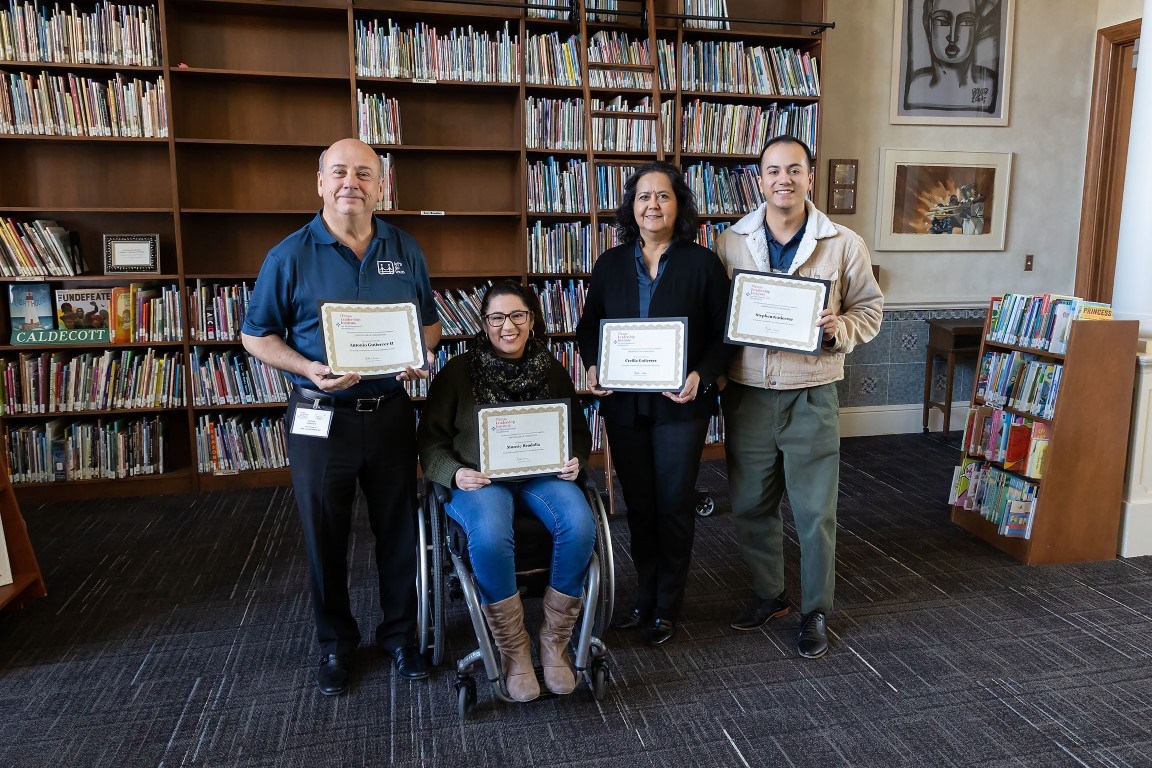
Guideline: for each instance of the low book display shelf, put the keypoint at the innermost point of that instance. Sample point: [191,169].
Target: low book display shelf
[1076,513]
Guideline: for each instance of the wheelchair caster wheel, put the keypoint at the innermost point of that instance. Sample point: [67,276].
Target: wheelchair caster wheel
[465,696]
[705,506]
[599,680]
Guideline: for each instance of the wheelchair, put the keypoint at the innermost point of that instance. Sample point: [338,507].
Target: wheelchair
[444,571]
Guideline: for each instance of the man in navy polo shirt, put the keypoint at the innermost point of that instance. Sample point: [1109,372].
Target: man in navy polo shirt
[361,431]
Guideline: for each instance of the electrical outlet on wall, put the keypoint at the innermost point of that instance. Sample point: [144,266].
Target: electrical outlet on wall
[1028,262]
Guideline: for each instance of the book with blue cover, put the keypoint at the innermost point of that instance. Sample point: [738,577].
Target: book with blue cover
[30,307]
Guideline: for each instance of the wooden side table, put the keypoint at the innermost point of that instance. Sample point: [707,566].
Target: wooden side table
[951,340]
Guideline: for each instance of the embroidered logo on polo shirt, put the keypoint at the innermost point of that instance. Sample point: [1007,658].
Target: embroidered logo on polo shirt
[390,267]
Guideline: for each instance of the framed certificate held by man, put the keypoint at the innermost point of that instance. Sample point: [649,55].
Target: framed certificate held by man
[524,439]
[643,354]
[776,311]
[371,339]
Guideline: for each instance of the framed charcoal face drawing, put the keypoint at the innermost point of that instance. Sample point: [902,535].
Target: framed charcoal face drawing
[953,62]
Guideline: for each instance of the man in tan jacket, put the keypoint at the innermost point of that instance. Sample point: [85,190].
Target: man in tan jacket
[781,408]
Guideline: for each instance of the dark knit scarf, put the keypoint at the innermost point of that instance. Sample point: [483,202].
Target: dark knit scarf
[499,380]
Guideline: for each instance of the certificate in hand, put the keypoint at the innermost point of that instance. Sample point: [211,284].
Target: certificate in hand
[373,340]
[777,311]
[524,439]
[643,354]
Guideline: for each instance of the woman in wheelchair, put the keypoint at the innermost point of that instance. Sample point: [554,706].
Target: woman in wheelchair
[507,364]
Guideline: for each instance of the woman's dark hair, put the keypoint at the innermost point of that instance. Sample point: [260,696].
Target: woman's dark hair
[684,228]
[524,293]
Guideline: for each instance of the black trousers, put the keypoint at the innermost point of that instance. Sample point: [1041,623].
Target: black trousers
[377,450]
[657,462]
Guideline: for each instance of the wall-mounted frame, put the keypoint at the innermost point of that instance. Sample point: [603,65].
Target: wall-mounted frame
[842,186]
[942,200]
[952,62]
[131,254]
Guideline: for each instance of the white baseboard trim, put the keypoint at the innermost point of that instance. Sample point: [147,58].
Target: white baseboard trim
[897,419]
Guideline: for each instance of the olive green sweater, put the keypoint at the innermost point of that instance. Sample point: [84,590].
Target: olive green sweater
[447,436]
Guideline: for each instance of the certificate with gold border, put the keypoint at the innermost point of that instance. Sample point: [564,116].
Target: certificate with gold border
[776,311]
[643,354]
[371,339]
[524,439]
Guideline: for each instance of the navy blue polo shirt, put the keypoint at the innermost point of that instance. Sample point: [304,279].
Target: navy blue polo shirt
[781,255]
[311,265]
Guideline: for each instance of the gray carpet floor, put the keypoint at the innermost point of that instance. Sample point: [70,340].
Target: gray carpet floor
[177,632]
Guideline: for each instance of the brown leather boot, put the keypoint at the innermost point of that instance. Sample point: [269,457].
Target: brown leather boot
[506,621]
[560,613]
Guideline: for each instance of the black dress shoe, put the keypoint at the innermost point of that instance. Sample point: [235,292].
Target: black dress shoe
[759,612]
[332,677]
[661,632]
[633,620]
[410,663]
[812,638]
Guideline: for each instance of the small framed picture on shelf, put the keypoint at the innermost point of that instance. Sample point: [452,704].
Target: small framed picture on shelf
[131,254]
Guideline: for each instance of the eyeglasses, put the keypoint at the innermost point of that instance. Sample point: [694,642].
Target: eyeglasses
[519,317]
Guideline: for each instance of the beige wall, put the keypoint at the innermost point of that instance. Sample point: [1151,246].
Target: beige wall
[1112,12]
[1054,43]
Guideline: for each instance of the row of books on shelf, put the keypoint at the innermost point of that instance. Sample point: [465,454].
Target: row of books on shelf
[568,247]
[122,314]
[1017,443]
[56,382]
[561,300]
[1042,321]
[717,9]
[216,311]
[110,33]
[463,54]
[38,248]
[1005,499]
[443,353]
[742,129]
[553,187]
[70,105]
[232,377]
[466,54]
[226,444]
[723,190]
[378,118]
[1020,381]
[63,450]
[625,134]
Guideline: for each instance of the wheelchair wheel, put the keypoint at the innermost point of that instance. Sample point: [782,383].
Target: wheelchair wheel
[705,505]
[465,696]
[605,605]
[439,597]
[600,679]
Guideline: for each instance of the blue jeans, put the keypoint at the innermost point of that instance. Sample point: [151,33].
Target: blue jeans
[486,515]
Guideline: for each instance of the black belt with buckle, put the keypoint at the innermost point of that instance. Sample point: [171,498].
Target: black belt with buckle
[361,404]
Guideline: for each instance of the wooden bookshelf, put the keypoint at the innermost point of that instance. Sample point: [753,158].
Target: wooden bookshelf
[1077,512]
[255,91]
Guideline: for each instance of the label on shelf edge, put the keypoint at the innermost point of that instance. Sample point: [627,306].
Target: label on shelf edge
[431,213]
[424,80]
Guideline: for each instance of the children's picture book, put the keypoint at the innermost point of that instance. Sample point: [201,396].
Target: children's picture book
[30,307]
[83,308]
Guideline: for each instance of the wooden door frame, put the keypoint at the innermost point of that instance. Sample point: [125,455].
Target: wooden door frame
[1098,165]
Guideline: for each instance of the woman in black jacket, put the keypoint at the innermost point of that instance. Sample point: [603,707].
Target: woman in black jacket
[656,438]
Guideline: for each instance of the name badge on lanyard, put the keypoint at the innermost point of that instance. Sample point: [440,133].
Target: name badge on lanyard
[311,421]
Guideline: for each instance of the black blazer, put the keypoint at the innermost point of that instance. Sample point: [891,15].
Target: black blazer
[695,285]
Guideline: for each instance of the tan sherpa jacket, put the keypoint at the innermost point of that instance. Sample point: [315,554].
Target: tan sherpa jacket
[828,252]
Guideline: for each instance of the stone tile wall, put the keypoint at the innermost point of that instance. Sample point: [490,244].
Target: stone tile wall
[889,370]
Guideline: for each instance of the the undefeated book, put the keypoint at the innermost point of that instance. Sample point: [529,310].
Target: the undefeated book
[83,308]
[30,308]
